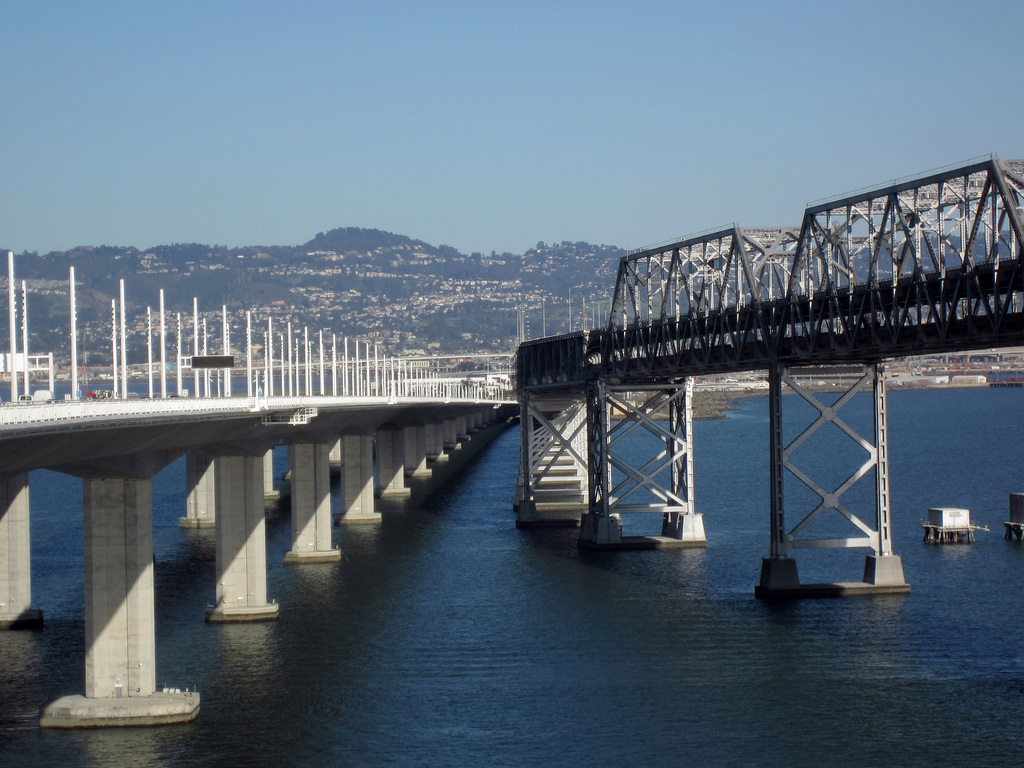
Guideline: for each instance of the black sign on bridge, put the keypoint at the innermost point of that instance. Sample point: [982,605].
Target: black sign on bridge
[212,361]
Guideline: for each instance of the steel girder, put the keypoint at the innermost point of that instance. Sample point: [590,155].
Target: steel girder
[555,360]
[925,265]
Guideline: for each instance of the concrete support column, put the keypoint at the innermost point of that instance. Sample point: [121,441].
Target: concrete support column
[451,440]
[201,502]
[241,543]
[16,609]
[462,431]
[416,451]
[334,456]
[357,480]
[434,445]
[270,493]
[309,464]
[120,629]
[391,463]
[120,626]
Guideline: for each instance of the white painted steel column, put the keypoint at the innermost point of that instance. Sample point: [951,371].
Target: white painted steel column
[291,375]
[345,379]
[177,359]
[323,391]
[113,346]
[268,353]
[12,319]
[149,350]
[334,364]
[206,371]
[226,331]
[124,344]
[248,354]
[74,335]
[16,555]
[24,334]
[195,345]
[163,347]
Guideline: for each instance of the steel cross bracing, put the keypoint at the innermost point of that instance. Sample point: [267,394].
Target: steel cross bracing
[553,440]
[879,537]
[925,265]
[616,484]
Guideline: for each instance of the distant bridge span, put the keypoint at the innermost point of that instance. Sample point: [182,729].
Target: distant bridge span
[928,264]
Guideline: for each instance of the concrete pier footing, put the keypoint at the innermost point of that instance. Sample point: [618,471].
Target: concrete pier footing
[883,575]
[163,708]
[16,611]
[604,532]
[688,530]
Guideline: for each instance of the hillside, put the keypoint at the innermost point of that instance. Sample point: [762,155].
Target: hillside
[406,294]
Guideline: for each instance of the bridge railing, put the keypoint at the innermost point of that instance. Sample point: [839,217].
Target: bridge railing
[23,415]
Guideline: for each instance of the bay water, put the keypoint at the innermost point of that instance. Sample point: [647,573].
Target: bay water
[447,637]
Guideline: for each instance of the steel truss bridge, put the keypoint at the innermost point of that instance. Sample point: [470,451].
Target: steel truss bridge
[929,264]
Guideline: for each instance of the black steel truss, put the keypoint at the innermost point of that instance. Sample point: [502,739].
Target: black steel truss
[924,265]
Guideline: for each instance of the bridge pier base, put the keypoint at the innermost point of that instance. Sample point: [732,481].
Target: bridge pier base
[883,571]
[686,528]
[241,543]
[357,481]
[600,531]
[201,502]
[309,464]
[120,629]
[16,611]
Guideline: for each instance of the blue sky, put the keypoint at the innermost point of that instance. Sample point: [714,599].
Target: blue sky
[485,126]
